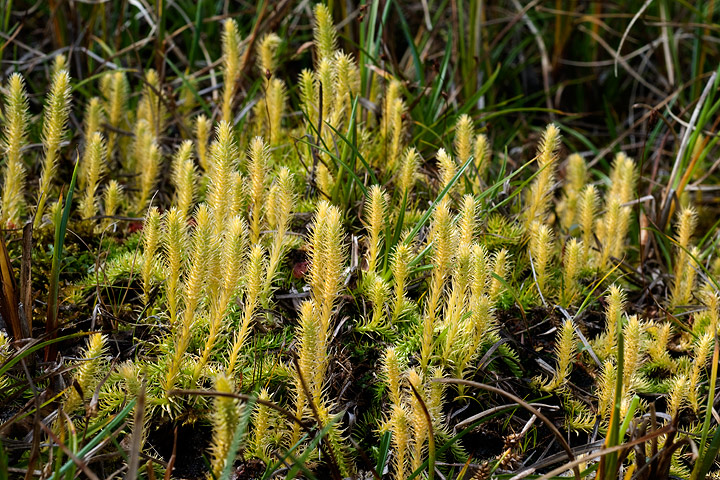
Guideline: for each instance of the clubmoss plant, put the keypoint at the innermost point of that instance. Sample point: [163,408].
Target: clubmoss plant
[151,241]
[225,417]
[184,178]
[573,260]
[95,165]
[203,126]
[539,196]
[441,236]
[55,115]
[231,66]
[541,248]
[575,179]
[257,171]
[684,268]
[565,348]
[89,373]
[15,136]
[112,200]
[116,90]
[375,216]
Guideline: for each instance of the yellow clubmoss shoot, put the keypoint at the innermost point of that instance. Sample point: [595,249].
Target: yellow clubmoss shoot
[94,161]
[678,398]
[253,287]
[263,419]
[575,178]
[464,132]
[375,214]
[418,421]
[344,73]
[308,97]
[441,235]
[174,245]
[606,390]
[89,372]
[401,438]
[15,136]
[391,370]
[588,206]
[565,348]
[202,249]
[399,266]
[448,169]
[308,361]
[151,107]
[398,130]
[482,154]
[539,195]
[224,418]
[55,115]
[615,307]
[223,154]
[202,136]
[686,222]
[658,347]
[112,199]
[541,250]
[324,33]
[151,239]
[279,216]
[327,258]
[231,66]
[408,172]
[267,50]
[701,351]
[501,265]
[116,94]
[275,99]
[634,352]
[94,117]
[183,178]
[572,262]
[468,220]
[378,292]
[257,171]
[231,263]
[147,166]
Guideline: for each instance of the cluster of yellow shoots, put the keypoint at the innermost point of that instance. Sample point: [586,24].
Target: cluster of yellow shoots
[214,257]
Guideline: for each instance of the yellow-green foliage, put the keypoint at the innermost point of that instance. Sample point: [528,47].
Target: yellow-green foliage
[184,177]
[539,195]
[116,90]
[89,373]
[225,416]
[231,66]
[376,213]
[541,251]
[324,34]
[55,115]
[94,161]
[684,263]
[427,302]
[575,178]
[565,347]
[151,239]
[16,124]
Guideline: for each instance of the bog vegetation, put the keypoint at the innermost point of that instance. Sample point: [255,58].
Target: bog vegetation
[346,272]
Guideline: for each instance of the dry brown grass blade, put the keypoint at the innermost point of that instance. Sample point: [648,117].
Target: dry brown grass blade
[527,406]
[8,294]
[26,277]
[601,453]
